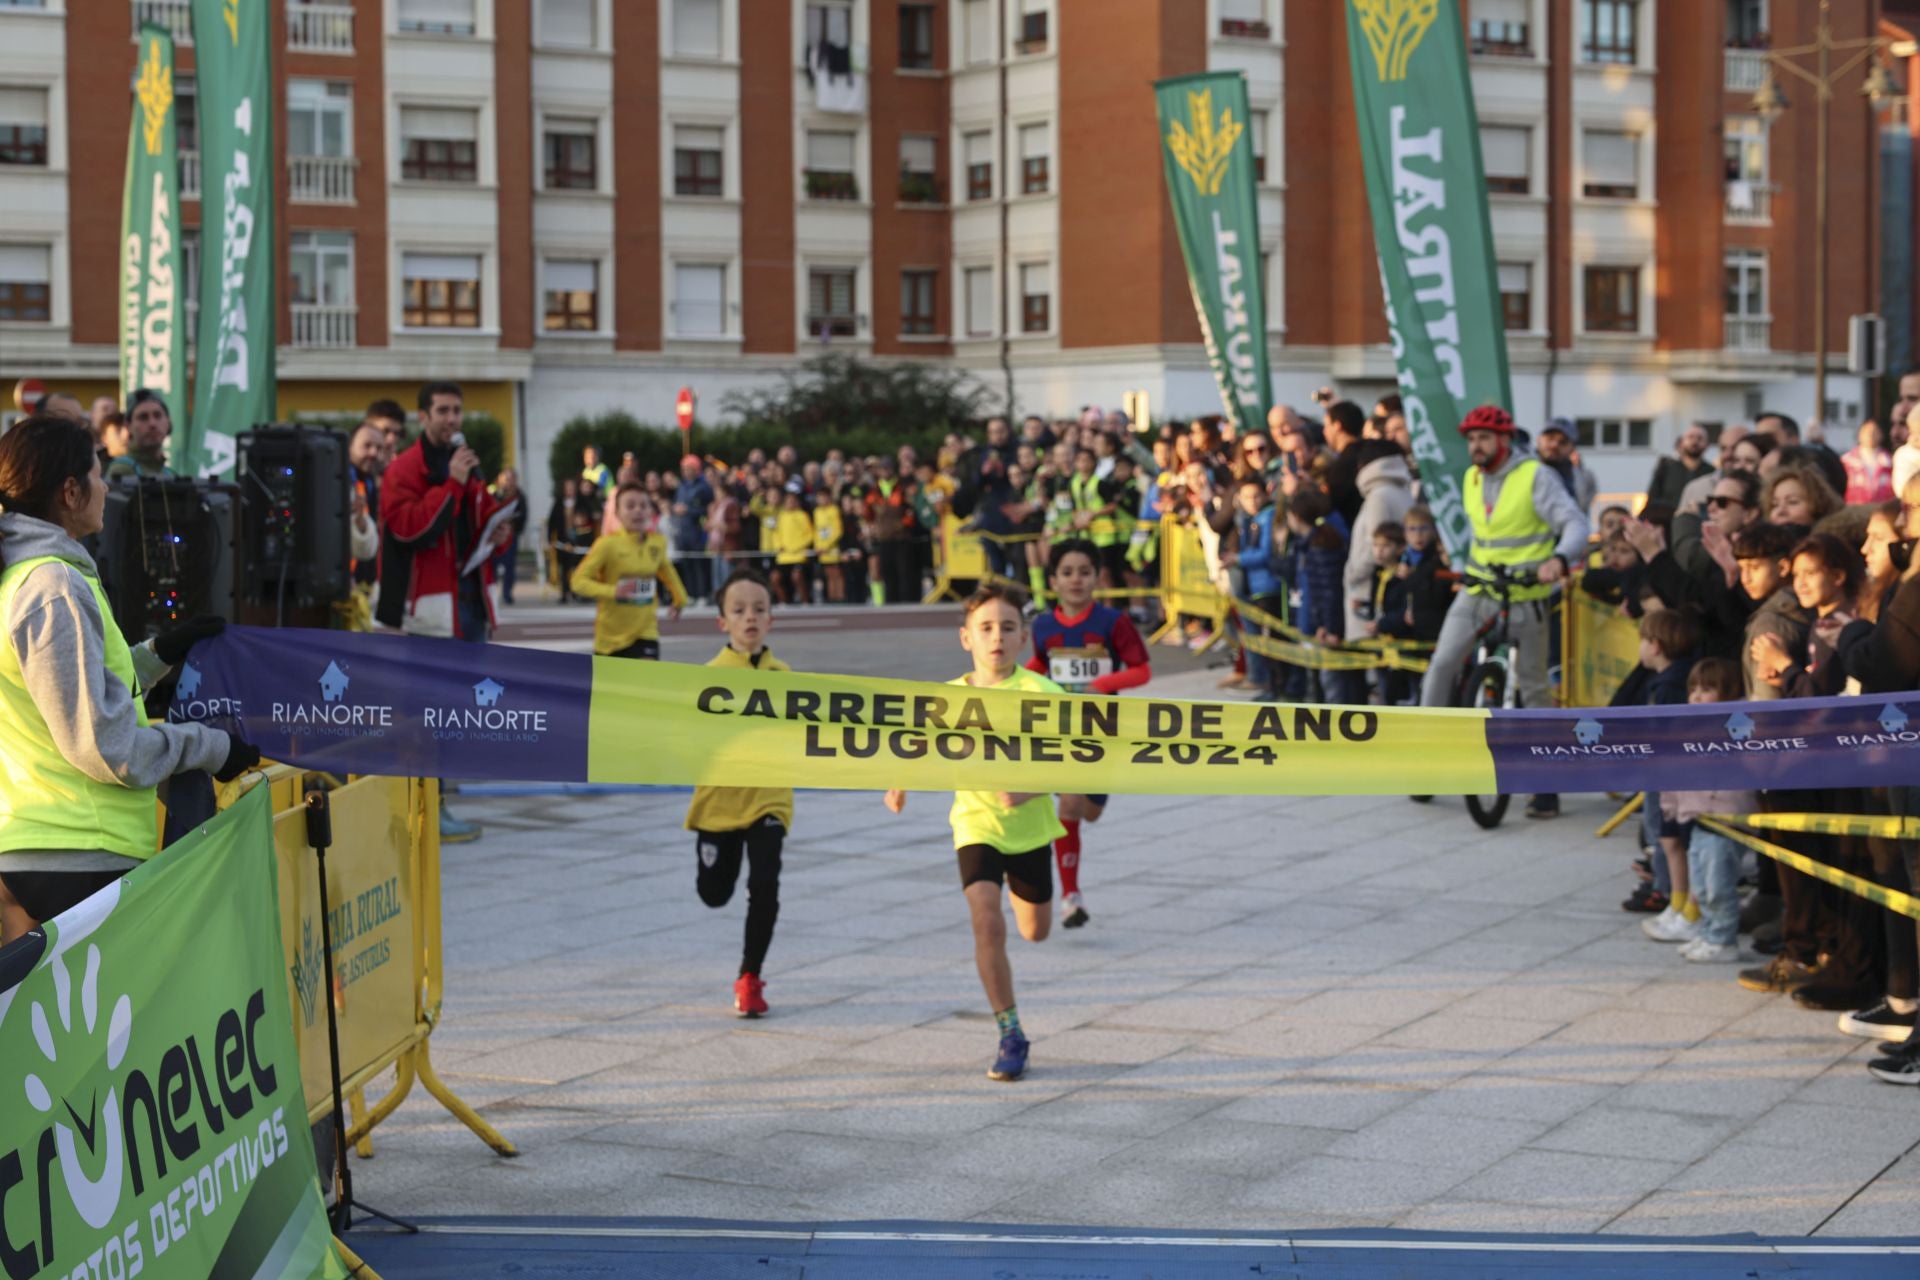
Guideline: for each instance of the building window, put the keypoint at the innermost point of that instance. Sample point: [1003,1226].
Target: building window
[1614,433]
[977,17]
[440,290]
[1257,139]
[437,144]
[700,300]
[1500,29]
[1033,159]
[26,291]
[436,17]
[1610,164]
[1747,24]
[1036,294]
[1610,31]
[23,126]
[1033,27]
[829,28]
[1613,299]
[830,302]
[980,308]
[829,171]
[916,36]
[567,24]
[570,288]
[918,181]
[1748,322]
[697,154]
[320,266]
[917,301]
[1516,295]
[319,118]
[696,28]
[572,155]
[1245,20]
[979,151]
[1506,154]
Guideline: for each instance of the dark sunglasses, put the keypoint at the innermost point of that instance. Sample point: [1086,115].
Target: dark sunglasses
[1719,503]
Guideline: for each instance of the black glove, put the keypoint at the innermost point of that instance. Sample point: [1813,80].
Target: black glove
[241,756]
[173,644]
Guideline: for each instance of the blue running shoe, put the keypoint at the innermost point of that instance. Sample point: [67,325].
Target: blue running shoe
[1012,1062]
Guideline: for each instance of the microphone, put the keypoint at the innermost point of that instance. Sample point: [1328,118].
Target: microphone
[459,439]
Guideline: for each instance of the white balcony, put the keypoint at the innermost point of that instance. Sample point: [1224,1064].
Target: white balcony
[1746,70]
[175,15]
[319,28]
[1750,202]
[189,175]
[320,325]
[1749,333]
[321,179]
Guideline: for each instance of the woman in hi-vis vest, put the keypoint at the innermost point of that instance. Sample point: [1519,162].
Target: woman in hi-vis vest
[78,759]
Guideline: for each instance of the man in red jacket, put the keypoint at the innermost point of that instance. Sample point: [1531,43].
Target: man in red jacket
[434,506]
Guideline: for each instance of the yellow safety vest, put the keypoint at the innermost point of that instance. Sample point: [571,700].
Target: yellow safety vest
[1512,535]
[1086,497]
[46,803]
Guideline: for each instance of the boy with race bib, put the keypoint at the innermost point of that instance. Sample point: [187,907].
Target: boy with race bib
[625,572]
[1085,647]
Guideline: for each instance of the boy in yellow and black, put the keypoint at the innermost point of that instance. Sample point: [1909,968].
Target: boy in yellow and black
[827,531]
[749,822]
[1001,837]
[792,545]
[625,572]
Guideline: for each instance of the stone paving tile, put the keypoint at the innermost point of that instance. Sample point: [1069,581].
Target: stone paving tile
[1332,1104]
[1438,1139]
[1448,1214]
[1377,1190]
[1569,1180]
[1608,1129]
[1114,1107]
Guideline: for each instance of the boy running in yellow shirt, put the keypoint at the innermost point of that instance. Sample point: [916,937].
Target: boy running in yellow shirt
[730,822]
[1001,836]
[624,572]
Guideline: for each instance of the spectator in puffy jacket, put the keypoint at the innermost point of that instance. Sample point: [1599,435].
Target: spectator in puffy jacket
[1252,561]
[1319,563]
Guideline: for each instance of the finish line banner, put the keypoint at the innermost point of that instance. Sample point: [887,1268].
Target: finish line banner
[385,704]
[153,1122]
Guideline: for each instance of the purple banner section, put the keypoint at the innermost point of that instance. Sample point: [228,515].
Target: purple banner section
[1743,746]
[401,705]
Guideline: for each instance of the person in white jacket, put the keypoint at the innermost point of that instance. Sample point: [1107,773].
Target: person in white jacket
[1386,493]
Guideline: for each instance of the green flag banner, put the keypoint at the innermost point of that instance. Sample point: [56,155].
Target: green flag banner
[234,380]
[1420,141]
[152,1121]
[1208,158]
[153,334]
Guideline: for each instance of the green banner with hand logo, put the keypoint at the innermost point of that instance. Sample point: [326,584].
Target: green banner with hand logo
[1420,139]
[152,1119]
[153,297]
[1208,157]
[234,374]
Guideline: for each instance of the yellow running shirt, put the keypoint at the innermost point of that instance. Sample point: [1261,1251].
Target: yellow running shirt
[978,817]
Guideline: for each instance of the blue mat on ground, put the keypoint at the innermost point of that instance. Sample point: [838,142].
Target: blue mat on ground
[615,1248]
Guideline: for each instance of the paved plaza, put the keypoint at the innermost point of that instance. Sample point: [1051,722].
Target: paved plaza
[1286,1014]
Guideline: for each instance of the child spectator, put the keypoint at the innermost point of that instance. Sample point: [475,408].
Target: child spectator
[1252,562]
[1319,559]
[1668,639]
[1827,575]
[792,544]
[1385,608]
[1760,554]
[623,572]
[1430,585]
[1618,578]
[827,532]
[1713,860]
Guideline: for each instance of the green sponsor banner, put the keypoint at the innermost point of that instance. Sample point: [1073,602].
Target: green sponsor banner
[152,1121]
[1208,157]
[153,301]
[1420,140]
[234,378]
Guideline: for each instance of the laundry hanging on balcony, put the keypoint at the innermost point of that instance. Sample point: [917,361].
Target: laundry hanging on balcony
[836,66]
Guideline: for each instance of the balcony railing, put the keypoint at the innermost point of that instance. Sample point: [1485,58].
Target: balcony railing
[1746,70]
[1750,202]
[919,188]
[831,184]
[189,175]
[1749,333]
[320,28]
[1245,29]
[175,15]
[321,179]
[321,325]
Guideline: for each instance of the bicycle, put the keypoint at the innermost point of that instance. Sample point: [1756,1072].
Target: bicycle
[1487,679]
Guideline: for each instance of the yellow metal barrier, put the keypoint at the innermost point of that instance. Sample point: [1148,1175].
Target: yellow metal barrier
[1892,899]
[1186,587]
[1599,648]
[1830,824]
[1296,648]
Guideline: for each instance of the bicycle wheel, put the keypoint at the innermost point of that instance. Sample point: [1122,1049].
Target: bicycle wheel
[1485,688]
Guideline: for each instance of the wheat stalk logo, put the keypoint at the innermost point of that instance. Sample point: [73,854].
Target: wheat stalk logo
[1394,30]
[1203,150]
[155,94]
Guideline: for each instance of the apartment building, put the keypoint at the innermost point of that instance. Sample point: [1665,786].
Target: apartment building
[575,205]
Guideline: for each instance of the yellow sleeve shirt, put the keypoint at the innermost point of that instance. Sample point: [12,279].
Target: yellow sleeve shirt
[794,537]
[826,532]
[978,817]
[736,808]
[620,557]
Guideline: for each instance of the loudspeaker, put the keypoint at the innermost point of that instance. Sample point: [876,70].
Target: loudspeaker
[294,516]
[167,552]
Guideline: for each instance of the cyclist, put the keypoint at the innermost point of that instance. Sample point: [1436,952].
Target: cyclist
[1524,521]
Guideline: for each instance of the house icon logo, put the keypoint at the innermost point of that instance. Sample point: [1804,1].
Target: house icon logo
[1740,726]
[333,683]
[487,692]
[1588,732]
[1892,718]
[188,685]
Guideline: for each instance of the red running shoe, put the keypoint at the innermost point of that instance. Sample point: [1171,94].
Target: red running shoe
[748,1002]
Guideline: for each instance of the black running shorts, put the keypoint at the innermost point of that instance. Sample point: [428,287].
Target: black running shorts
[1029,875]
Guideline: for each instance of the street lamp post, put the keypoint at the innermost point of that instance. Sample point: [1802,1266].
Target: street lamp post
[1769,102]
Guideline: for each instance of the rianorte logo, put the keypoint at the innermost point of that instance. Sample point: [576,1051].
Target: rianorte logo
[192,700]
[335,714]
[1740,726]
[333,683]
[1893,719]
[1588,732]
[487,692]
[188,685]
[491,718]
[1589,735]
[1896,730]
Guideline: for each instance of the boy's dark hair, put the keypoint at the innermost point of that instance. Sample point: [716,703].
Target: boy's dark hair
[1349,415]
[1762,541]
[1722,675]
[429,390]
[1391,530]
[734,579]
[388,409]
[988,592]
[1421,512]
[633,487]
[1068,547]
[1835,555]
[1676,631]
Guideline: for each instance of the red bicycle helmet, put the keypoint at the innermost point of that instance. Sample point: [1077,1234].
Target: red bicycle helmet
[1488,417]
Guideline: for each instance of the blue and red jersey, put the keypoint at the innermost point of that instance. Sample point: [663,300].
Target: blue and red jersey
[1098,651]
